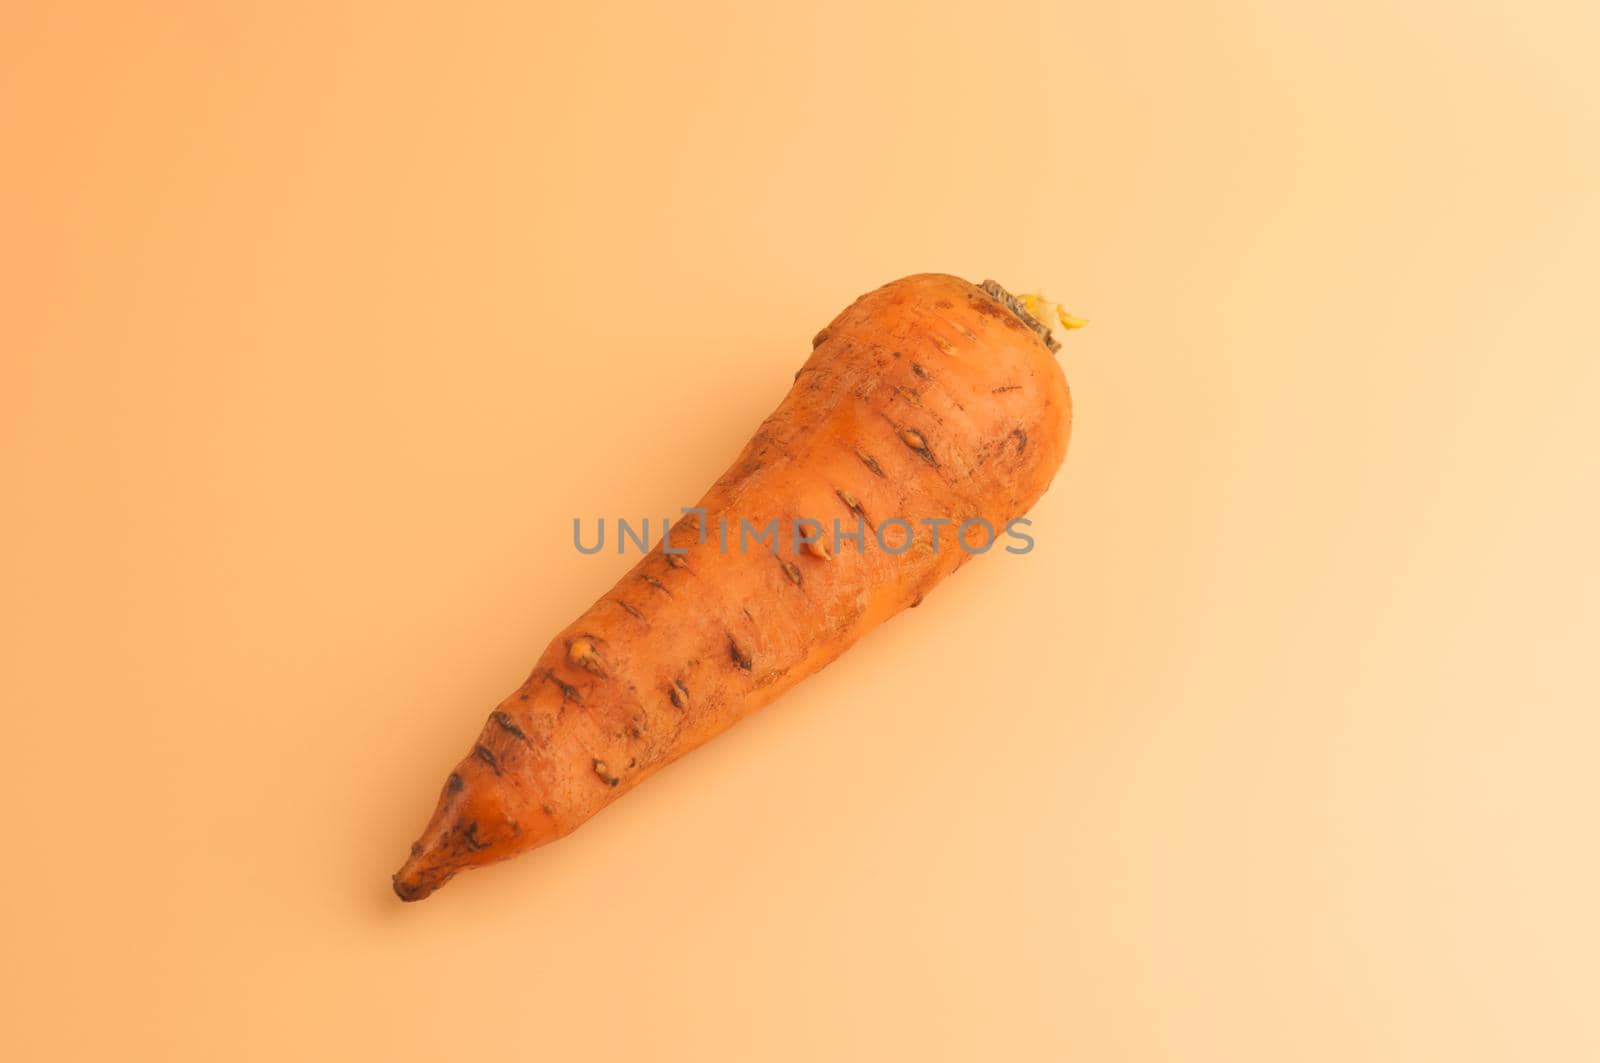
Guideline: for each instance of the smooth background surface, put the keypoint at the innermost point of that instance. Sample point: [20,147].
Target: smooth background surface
[321,322]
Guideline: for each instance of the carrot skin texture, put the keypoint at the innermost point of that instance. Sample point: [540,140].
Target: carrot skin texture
[925,398]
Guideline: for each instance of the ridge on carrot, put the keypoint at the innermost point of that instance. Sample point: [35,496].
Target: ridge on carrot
[927,398]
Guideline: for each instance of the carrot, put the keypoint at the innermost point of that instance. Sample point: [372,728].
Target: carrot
[928,398]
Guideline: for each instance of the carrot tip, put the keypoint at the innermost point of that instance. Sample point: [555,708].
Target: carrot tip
[412,883]
[424,871]
[408,892]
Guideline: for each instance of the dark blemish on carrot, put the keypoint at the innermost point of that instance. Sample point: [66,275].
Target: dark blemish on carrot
[677,561]
[678,693]
[630,610]
[898,353]
[657,584]
[919,446]
[792,570]
[739,656]
[632,761]
[916,601]
[485,754]
[870,462]
[917,369]
[852,504]
[508,725]
[547,810]
[819,339]
[606,777]
[454,783]
[416,848]
[568,691]
[470,836]
[909,395]
[1008,387]
[1022,440]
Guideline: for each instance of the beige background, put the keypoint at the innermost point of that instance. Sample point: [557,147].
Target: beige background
[321,322]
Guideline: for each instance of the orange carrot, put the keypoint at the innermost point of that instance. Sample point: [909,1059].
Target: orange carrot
[927,399]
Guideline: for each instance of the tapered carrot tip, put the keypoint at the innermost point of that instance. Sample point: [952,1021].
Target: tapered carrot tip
[414,881]
[470,827]
[433,862]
